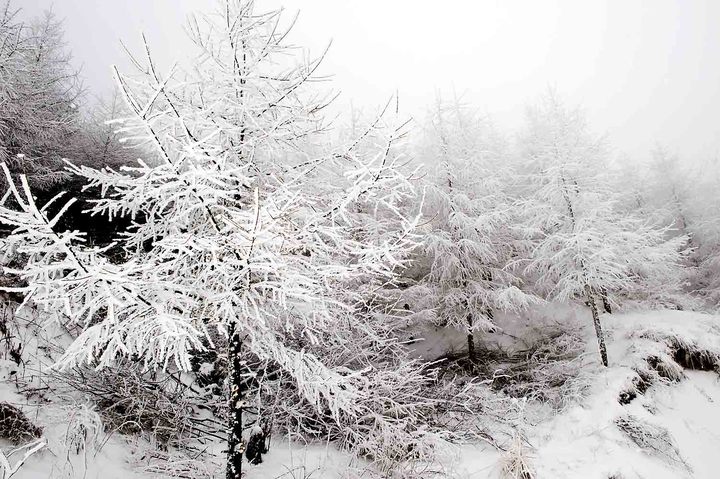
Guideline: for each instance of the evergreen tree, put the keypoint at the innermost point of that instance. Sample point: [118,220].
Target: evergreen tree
[246,224]
[583,246]
[39,98]
[469,241]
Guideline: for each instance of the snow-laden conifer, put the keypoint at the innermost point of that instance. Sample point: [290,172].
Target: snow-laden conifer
[470,242]
[247,224]
[584,247]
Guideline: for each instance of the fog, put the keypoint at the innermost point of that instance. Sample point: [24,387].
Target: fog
[496,254]
[646,72]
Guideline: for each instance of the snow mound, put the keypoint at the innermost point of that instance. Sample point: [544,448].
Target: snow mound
[652,413]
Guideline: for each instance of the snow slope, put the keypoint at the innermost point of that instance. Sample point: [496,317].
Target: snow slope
[684,417]
[584,440]
[664,429]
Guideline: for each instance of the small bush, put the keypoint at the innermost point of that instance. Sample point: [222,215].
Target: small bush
[131,401]
[15,426]
[547,372]
[652,439]
[516,461]
[679,353]
[639,385]
[665,367]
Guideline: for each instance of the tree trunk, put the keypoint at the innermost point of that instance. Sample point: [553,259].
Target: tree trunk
[471,341]
[605,302]
[235,446]
[598,327]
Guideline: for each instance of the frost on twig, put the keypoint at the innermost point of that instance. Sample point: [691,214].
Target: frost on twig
[10,466]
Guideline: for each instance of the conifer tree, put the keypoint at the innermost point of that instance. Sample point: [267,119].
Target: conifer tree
[246,224]
[584,247]
[40,93]
[469,241]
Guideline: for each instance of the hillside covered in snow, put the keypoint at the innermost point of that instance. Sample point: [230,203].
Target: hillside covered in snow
[215,275]
[652,413]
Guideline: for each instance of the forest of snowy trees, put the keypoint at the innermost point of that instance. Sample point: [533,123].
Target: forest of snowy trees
[214,251]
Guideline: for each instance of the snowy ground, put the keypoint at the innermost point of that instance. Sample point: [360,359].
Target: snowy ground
[106,457]
[671,428]
[585,441]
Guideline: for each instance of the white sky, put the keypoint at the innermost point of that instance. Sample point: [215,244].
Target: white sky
[646,71]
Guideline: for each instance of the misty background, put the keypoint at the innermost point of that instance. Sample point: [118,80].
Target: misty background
[646,72]
[452,271]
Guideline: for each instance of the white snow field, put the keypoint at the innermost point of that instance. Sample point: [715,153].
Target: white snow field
[646,416]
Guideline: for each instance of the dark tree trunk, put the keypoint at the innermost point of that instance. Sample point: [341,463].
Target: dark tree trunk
[258,442]
[598,327]
[471,341]
[235,446]
[605,302]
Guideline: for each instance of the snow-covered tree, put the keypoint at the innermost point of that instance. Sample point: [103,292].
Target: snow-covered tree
[247,224]
[583,246]
[699,210]
[668,189]
[469,239]
[39,95]
[99,143]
